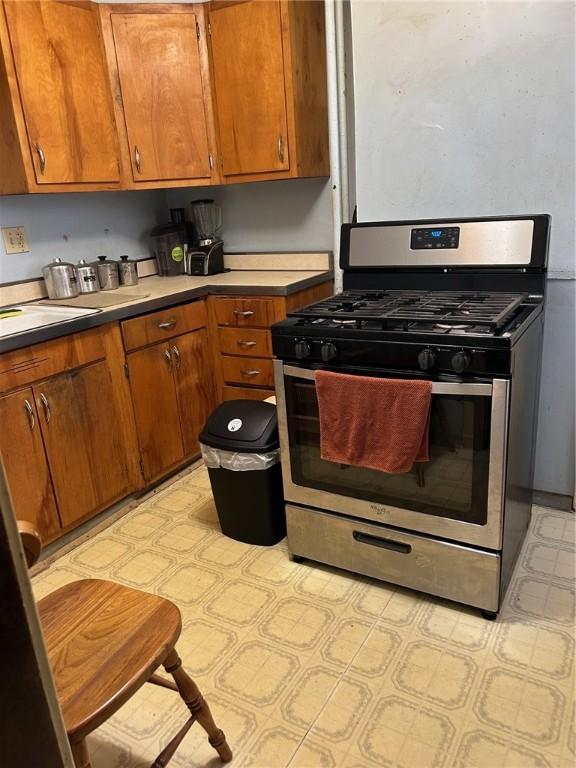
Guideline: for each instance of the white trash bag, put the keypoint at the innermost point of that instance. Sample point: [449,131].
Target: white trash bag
[216,458]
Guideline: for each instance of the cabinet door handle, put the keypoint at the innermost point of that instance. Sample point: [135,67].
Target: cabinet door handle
[176,353]
[137,159]
[243,313]
[30,412]
[41,157]
[167,324]
[46,406]
[246,344]
[280,148]
[250,372]
[168,358]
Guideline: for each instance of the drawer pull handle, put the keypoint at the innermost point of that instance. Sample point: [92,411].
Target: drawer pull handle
[166,325]
[176,353]
[376,541]
[30,412]
[243,313]
[251,372]
[246,344]
[46,406]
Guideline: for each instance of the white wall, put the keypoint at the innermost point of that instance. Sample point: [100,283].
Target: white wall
[291,215]
[82,218]
[465,109]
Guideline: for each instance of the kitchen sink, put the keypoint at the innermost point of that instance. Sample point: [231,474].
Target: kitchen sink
[31,316]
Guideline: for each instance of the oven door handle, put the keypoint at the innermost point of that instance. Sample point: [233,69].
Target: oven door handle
[377,541]
[438,387]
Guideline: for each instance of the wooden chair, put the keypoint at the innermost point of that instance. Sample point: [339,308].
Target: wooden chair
[104,641]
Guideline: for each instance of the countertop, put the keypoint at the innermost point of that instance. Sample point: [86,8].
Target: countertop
[169,291]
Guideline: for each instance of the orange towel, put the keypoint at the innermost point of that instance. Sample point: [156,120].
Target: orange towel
[376,423]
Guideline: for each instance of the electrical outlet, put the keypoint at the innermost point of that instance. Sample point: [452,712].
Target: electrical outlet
[15,240]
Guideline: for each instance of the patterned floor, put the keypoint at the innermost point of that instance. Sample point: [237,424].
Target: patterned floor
[308,667]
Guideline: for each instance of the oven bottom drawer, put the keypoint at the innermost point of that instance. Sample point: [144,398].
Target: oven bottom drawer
[448,570]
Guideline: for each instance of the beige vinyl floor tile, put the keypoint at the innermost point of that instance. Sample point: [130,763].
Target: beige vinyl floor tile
[306,666]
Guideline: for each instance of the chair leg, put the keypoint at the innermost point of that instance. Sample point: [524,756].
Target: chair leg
[194,700]
[80,754]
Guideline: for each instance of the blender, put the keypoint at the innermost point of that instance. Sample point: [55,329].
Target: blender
[206,254]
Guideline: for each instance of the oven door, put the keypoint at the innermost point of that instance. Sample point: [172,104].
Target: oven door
[457,495]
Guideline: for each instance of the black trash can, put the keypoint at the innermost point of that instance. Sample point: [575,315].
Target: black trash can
[241,450]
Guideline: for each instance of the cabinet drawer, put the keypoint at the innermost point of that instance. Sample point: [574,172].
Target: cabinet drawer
[156,326]
[245,341]
[246,393]
[253,371]
[24,366]
[249,312]
[396,556]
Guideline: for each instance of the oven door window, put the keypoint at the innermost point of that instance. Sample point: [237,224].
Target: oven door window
[453,484]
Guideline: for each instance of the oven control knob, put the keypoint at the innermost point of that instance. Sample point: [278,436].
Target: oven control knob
[427,359]
[460,361]
[328,351]
[302,349]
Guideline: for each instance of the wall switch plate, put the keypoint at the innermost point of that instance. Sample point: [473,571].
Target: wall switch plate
[15,240]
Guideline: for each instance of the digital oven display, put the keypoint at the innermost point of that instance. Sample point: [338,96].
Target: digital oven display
[434,237]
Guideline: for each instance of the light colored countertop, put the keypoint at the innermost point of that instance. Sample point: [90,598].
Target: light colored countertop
[166,291]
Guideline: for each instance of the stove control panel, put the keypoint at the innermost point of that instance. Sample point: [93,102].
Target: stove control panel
[434,237]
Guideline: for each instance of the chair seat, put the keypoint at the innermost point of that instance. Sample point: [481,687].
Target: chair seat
[104,641]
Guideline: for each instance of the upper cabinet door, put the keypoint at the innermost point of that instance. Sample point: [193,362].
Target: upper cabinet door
[248,62]
[64,90]
[160,73]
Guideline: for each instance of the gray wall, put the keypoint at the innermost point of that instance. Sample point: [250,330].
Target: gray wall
[468,109]
[82,219]
[270,216]
[273,216]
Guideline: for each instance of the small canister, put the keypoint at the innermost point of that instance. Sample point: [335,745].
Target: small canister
[128,271]
[107,273]
[86,277]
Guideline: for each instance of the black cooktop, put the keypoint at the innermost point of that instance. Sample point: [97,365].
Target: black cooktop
[439,312]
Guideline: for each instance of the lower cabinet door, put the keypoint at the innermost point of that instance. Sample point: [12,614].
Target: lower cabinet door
[156,408]
[86,452]
[194,385]
[27,474]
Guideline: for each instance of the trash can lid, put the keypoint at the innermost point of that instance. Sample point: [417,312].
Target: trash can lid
[248,426]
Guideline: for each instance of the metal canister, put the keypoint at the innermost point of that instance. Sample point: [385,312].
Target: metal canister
[87,277]
[107,273]
[60,279]
[128,271]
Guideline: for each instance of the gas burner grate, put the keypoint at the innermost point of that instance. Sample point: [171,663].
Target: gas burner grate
[409,309]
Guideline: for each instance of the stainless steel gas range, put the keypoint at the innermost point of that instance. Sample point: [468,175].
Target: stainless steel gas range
[457,302]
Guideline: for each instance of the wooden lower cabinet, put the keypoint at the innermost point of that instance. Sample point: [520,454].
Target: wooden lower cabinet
[78,415]
[194,386]
[25,464]
[172,393]
[155,408]
[246,393]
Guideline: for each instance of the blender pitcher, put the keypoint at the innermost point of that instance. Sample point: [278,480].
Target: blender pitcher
[206,217]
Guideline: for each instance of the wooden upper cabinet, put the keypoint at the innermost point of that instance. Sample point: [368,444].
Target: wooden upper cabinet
[269,78]
[55,98]
[159,62]
[249,83]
